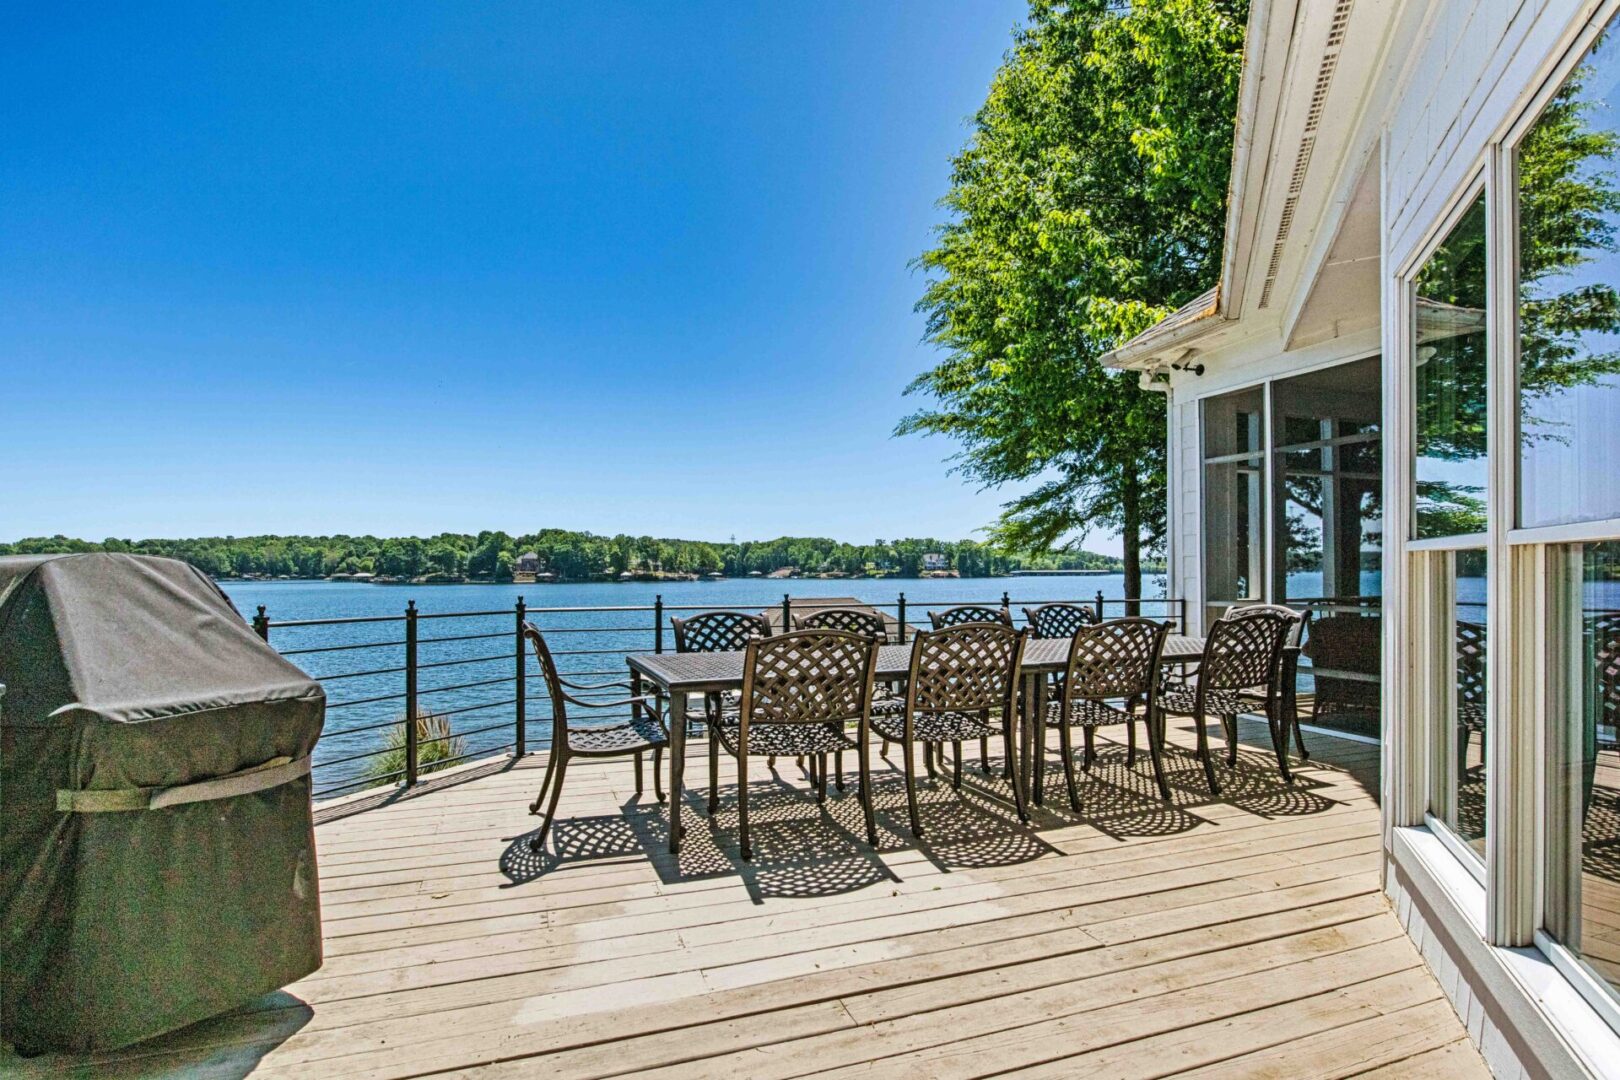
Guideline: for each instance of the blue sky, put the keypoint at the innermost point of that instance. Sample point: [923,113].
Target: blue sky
[411,268]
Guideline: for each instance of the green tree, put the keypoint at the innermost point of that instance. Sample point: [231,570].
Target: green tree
[1088,203]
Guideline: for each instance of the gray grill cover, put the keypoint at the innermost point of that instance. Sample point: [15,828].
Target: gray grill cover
[128,672]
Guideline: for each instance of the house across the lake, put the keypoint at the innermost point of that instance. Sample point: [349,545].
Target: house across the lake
[1400,407]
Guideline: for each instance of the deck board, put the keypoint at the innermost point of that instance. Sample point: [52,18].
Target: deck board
[1240,936]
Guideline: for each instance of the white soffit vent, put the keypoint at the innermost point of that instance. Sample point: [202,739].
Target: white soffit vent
[1307,140]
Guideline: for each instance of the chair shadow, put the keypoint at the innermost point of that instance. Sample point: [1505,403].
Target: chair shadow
[231,1044]
[802,848]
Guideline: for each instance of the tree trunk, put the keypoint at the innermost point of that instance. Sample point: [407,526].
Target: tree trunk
[1131,541]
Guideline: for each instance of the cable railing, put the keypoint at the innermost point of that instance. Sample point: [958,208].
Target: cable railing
[473,698]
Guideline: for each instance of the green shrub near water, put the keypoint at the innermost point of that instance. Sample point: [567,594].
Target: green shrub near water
[436,747]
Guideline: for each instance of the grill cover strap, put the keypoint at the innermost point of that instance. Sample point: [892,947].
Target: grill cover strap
[269,774]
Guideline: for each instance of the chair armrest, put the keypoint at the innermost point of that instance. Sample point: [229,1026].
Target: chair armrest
[616,684]
[646,701]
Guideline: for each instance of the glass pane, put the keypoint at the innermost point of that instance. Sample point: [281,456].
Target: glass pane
[1583,904]
[1233,499]
[1450,382]
[1458,722]
[1569,310]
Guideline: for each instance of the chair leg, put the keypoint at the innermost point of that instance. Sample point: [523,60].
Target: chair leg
[928,759]
[906,748]
[863,763]
[885,754]
[1156,754]
[1091,746]
[956,775]
[545,783]
[1279,742]
[838,770]
[1201,723]
[1130,742]
[820,763]
[745,849]
[714,773]
[1038,766]
[1299,736]
[1011,748]
[539,841]
[658,772]
[1066,741]
[638,774]
[1229,725]
[984,754]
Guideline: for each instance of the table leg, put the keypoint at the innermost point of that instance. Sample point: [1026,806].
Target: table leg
[677,766]
[1026,741]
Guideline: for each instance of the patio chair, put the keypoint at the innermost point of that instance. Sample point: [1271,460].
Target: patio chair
[956,616]
[1052,622]
[800,691]
[1115,660]
[966,613]
[632,738]
[962,684]
[1470,688]
[1240,668]
[1059,620]
[717,631]
[856,621]
[1344,653]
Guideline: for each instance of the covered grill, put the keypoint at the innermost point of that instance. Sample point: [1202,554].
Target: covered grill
[157,857]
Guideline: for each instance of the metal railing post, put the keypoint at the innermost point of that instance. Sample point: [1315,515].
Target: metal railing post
[902,618]
[787,613]
[410,693]
[1100,615]
[261,624]
[658,623]
[520,743]
[1006,601]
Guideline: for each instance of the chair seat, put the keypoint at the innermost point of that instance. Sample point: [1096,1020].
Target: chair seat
[889,721]
[1083,712]
[639,733]
[784,740]
[1183,700]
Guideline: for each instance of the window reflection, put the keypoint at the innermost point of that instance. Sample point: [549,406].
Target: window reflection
[1459,724]
[1583,909]
[1450,386]
[1233,504]
[1569,311]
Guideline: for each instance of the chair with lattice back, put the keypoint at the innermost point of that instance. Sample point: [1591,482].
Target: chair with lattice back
[962,684]
[856,621]
[966,613]
[643,731]
[1240,668]
[1470,688]
[717,631]
[1109,662]
[1059,620]
[801,690]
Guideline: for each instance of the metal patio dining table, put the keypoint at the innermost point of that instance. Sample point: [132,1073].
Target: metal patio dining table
[679,676]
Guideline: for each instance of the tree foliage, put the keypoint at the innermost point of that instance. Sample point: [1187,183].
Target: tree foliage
[572,556]
[1088,203]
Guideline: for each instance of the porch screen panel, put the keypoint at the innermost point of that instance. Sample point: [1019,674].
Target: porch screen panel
[1234,500]
[1449,391]
[1569,310]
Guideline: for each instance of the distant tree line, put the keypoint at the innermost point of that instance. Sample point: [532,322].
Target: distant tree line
[571,556]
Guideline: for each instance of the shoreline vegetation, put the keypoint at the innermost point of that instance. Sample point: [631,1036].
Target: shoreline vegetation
[567,556]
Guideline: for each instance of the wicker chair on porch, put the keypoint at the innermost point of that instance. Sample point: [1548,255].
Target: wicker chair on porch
[1116,660]
[1241,667]
[962,684]
[643,731]
[800,692]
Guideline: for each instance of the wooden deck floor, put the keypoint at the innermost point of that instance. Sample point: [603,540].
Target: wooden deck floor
[1245,936]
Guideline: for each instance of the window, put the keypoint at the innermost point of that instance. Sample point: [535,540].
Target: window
[1449,391]
[1234,505]
[1457,693]
[1569,309]
[1583,759]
